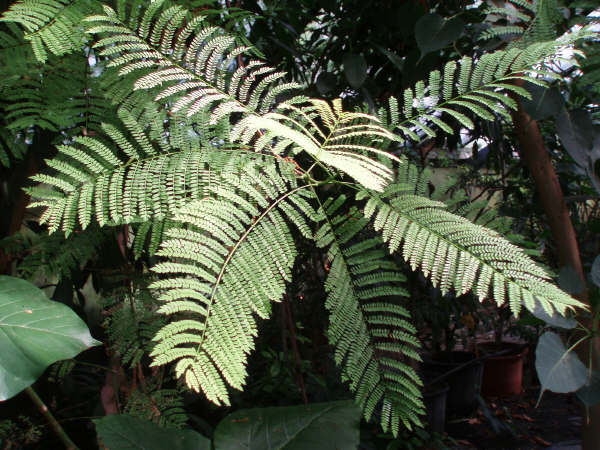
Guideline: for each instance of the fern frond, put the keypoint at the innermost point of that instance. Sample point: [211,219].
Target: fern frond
[457,254]
[471,87]
[192,61]
[198,79]
[230,262]
[336,143]
[51,25]
[370,329]
[124,178]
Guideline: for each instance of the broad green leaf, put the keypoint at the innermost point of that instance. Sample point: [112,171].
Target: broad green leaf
[34,333]
[589,394]
[576,132]
[569,280]
[544,103]
[558,370]
[433,32]
[595,272]
[123,432]
[326,82]
[317,426]
[355,69]
[593,164]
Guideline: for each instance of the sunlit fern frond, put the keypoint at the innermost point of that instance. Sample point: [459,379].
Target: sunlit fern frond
[196,70]
[457,254]
[51,25]
[124,177]
[193,62]
[229,262]
[470,87]
[329,134]
[369,328]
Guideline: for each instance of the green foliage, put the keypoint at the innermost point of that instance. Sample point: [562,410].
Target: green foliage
[205,149]
[51,25]
[369,327]
[34,333]
[238,246]
[125,432]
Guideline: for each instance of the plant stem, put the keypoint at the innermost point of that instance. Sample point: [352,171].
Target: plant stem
[69,444]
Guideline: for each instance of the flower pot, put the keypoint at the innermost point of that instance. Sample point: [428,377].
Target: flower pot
[464,380]
[434,398]
[502,374]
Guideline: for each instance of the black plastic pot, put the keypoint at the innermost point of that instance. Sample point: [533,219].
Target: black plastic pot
[434,398]
[464,380]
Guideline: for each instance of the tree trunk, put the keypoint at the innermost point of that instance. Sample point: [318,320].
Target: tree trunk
[537,160]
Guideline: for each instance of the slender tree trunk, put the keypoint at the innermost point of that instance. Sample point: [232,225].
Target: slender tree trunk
[537,160]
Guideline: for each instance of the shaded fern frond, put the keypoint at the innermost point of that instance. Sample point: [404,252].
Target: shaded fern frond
[64,97]
[231,260]
[51,25]
[370,329]
[457,254]
[527,22]
[53,256]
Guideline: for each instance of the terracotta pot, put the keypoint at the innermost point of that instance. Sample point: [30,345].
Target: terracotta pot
[502,374]
[464,383]
[434,398]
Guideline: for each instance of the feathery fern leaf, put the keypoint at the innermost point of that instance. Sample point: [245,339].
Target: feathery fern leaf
[51,25]
[455,253]
[230,262]
[337,144]
[192,67]
[138,182]
[369,328]
[479,88]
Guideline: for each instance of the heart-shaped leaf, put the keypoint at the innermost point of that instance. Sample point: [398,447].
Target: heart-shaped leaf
[589,394]
[569,280]
[576,132]
[355,69]
[544,103]
[316,426]
[558,369]
[433,32]
[595,272]
[34,333]
[123,432]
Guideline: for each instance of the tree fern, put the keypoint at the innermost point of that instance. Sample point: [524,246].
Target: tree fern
[199,78]
[227,163]
[133,183]
[471,88]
